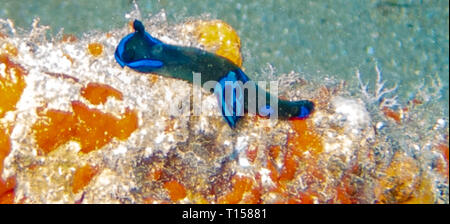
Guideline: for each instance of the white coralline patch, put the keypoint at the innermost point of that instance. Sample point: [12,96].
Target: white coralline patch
[379,125]
[240,149]
[108,182]
[266,180]
[345,130]
[440,124]
[340,146]
[352,112]
[241,143]
[120,150]
[159,138]
[243,161]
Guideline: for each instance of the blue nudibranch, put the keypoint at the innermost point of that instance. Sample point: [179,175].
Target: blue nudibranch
[144,53]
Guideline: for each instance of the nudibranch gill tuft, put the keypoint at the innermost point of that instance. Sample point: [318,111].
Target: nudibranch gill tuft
[144,53]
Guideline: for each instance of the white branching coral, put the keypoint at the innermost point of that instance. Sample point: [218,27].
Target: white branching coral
[380,93]
[430,90]
[36,34]
[38,31]
[7,25]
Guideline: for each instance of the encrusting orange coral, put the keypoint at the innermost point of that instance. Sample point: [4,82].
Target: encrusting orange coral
[98,93]
[82,177]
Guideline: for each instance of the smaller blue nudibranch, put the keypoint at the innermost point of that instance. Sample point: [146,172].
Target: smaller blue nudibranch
[144,53]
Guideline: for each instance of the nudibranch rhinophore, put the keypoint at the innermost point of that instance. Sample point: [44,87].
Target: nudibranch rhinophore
[144,53]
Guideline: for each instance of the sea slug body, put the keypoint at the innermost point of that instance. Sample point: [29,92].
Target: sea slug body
[144,53]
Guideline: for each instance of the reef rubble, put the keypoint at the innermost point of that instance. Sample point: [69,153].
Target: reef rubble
[75,127]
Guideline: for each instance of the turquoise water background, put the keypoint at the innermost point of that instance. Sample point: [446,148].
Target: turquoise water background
[409,39]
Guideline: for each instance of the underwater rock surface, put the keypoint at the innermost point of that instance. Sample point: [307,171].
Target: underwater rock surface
[77,128]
